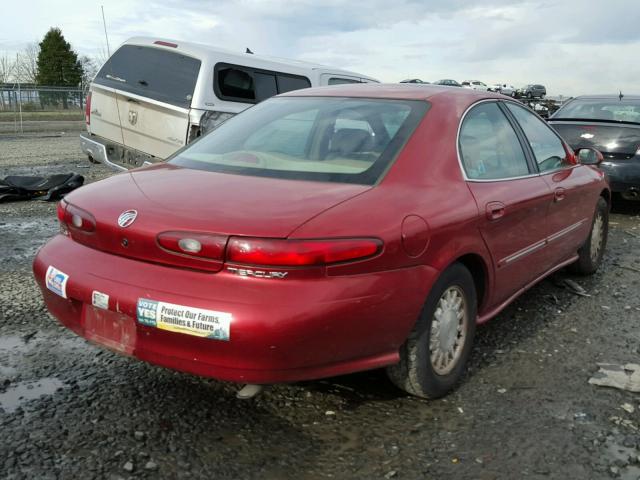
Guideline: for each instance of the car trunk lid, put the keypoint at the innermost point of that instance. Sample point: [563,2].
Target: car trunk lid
[615,141]
[167,198]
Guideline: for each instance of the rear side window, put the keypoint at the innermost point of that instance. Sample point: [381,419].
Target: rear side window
[168,77]
[238,83]
[547,147]
[489,146]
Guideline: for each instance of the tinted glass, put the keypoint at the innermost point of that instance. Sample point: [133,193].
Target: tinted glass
[236,83]
[287,83]
[342,81]
[547,147]
[265,85]
[489,146]
[601,109]
[151,72]
[326,139]
[248,85]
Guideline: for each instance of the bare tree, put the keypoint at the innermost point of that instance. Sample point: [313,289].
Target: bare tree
[27,65]
[101,57]
[89,69]
[7,67]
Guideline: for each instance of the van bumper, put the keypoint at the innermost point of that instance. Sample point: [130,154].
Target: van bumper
[114,155]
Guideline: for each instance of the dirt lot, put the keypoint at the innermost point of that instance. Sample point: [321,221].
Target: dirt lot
[71,410]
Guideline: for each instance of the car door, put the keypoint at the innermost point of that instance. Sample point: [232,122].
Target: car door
[569,215]
[511,197]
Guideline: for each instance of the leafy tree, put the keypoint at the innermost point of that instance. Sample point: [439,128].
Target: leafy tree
[58,64]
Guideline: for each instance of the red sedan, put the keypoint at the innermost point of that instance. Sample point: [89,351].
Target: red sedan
[327,231]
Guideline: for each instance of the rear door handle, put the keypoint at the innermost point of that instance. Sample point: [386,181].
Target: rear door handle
[495,210]
[559,194]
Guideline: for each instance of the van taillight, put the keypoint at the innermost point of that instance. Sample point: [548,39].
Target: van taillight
[298,253]
[87,109]
[166,44]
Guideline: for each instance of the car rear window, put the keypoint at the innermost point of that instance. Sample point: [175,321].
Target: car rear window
[352,140]
[162,75]
[601,109]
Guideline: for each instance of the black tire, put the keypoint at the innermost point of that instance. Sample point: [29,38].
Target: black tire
[591,253]
[415,373]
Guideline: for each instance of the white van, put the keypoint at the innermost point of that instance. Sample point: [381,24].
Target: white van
[154,96]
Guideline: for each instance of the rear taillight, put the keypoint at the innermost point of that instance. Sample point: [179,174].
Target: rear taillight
[87,109]
[75,218]
[210,120]
[60,210]
[297,253]
[165,44]
[194,244]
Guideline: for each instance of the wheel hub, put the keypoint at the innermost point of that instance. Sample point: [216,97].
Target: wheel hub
[448,330]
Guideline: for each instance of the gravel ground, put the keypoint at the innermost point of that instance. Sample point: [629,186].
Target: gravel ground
[71,410]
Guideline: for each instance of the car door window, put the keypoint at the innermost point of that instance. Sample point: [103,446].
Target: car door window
[489,146]
[547,147]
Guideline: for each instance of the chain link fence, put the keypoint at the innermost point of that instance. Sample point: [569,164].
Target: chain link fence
[24,103]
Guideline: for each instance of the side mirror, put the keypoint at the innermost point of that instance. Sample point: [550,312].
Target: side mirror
[589,156]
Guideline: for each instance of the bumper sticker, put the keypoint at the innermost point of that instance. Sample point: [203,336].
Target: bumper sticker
[182,319]
[56,281]
[100,300]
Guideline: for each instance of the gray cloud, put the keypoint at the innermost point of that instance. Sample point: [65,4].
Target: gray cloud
[564,43]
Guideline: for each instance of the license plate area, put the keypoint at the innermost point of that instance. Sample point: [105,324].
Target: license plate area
[111,329]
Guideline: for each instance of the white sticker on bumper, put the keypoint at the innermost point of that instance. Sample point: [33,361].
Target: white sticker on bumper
[56,281]
[100,300]
[182,319]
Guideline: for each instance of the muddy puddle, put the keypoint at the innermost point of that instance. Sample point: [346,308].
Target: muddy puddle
[23,392]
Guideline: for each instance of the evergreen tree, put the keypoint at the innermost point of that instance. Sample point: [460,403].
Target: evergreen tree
[57,62]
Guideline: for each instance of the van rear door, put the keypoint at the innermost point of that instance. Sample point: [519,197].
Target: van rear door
[149,91]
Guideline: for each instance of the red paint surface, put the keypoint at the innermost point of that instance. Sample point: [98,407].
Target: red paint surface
[319,320]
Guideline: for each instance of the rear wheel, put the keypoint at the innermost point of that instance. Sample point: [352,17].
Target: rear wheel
[434,357]
[591,253]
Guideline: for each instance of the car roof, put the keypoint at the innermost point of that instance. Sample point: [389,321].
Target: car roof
[608,97]
[401,91]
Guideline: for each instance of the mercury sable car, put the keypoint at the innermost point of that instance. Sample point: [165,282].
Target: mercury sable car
[327,231]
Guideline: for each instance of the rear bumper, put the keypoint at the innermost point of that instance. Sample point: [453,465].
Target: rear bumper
[624,175]
[281,330]
[112,154]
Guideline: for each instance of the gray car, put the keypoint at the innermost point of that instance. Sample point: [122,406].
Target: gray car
[533,90]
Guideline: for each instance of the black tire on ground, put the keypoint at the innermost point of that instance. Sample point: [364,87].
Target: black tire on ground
[591,253]
[91,159]
[415,373]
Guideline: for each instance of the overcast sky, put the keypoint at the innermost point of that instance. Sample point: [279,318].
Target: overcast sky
[571,46]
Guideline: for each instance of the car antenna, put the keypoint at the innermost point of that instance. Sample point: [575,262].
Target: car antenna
[621,96]
[248,51]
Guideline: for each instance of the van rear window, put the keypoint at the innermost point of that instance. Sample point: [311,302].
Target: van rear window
[165,76]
